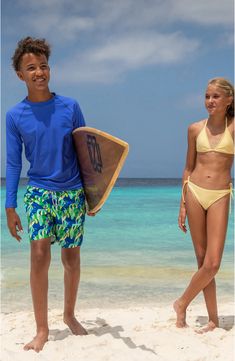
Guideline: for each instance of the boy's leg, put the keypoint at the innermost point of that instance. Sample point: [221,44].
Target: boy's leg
[40,261]
[71,261]
[70,215]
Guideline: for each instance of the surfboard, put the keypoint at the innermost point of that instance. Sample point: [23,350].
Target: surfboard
[101,157]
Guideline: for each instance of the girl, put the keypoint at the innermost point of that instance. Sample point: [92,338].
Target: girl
[206,195]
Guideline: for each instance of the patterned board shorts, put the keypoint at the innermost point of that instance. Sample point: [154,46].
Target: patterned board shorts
[59,215]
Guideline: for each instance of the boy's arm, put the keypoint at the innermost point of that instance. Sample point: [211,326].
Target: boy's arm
[78,118]
[79,121]
[13,170]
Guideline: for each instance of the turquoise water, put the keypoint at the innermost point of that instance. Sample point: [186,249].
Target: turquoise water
[133,252]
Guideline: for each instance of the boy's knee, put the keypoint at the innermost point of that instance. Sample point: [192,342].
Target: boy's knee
[71,264]
[40,257]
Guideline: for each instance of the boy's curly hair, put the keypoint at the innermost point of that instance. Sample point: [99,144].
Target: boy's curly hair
[30,45]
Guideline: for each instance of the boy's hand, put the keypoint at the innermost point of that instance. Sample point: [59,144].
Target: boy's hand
[14,223]
[92,214]
[182,219]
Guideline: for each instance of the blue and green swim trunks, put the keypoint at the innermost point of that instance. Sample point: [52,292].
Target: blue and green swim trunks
[56,214]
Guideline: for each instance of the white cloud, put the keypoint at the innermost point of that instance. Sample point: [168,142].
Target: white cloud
[203,12]
[67,19]
[145,48]
[103,39]
[61,28]
[138,12]
[109,62]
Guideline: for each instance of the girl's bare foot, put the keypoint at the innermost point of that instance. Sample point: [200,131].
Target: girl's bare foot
[209,327]
[38,342]
[75,326]
[181,314]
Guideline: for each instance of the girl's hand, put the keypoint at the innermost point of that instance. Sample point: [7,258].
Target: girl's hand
[182,219]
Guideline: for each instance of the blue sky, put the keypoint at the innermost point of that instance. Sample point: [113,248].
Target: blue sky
[139,69]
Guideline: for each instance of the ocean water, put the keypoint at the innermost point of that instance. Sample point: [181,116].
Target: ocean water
[133,252]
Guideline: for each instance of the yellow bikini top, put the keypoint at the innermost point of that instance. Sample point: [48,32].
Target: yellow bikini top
[225,144]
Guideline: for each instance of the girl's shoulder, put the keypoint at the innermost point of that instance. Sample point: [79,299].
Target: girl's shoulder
[196,127]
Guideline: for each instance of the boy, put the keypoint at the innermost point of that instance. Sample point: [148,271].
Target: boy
[54,199]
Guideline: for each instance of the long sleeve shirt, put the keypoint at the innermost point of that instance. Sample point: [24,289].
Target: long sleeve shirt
[45,131]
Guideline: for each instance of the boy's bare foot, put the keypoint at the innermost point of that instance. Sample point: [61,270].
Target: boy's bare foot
[38,342]
[75,326]
[181,315]
[209,327]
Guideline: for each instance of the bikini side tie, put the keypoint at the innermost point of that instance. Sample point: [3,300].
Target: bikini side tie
[185,182]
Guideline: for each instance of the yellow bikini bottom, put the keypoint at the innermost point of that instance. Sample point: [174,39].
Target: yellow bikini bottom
[206,197]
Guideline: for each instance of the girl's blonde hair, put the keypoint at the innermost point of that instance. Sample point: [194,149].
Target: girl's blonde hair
[228,88]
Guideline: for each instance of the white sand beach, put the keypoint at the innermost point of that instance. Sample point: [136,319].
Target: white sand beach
[131,334]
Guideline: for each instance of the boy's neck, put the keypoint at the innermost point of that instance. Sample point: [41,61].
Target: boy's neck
[39,96]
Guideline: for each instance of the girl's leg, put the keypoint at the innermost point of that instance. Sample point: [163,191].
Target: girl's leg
[197,219]
[71,261]
[40,261]
[196,216]
[217,222]
[217,219]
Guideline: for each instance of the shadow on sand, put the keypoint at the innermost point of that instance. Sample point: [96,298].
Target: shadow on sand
[225,322]
[99,327]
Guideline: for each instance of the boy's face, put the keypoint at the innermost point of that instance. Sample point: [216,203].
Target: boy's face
[35,72]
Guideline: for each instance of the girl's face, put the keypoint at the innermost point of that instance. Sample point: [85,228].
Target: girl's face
[216,100]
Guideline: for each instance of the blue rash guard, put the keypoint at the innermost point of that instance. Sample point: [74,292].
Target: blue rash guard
[45,129]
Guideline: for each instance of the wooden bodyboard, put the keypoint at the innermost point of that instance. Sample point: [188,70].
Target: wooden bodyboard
[101,157]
